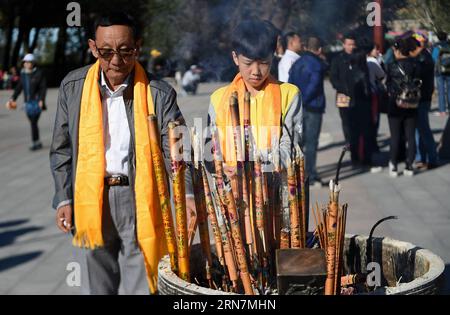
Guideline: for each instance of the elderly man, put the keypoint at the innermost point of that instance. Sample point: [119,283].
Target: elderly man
[101,164]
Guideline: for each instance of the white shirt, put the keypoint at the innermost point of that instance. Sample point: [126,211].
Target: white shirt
[285,65]
[116,131]
[190,77]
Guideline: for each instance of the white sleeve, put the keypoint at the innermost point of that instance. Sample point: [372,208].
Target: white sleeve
[283,71]
[292,131]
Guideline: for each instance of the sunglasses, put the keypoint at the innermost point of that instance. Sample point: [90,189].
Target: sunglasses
[108,53]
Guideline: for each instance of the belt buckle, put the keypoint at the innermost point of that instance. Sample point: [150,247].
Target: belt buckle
[115,180]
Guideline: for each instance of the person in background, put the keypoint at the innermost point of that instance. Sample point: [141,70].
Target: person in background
[362,134]
[388,56]
[350,77]
[34,85]
[293,44]
[308,74]
[441,57]
[403,73]
[5,80]
[279,53]
[377,88]
[340,76]
[191,79]
[426,157]
[15,77]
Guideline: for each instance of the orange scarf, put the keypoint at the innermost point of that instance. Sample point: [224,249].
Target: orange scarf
[90,173]
[268,117]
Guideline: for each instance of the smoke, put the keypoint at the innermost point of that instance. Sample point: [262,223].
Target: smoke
[323,14]
[204,28]
[206,41]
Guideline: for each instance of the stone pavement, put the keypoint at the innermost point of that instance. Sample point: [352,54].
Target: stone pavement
[34,255]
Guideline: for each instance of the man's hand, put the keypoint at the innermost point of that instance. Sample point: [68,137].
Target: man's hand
[64,218]
[41,104]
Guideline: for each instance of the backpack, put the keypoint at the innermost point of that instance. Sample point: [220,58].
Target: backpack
[410,91]
[32,108]
[443,62]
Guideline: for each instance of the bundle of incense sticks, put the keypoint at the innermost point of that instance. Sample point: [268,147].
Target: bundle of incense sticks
[330,229]
[179,195]
[227,199]
[246,212]
[201,208]
[331,224]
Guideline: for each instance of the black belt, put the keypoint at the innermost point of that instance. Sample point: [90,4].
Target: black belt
[117,180]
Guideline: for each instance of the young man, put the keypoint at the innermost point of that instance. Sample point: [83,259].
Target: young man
[350,77]
[293,44]
[340,76]
[308,74]
[103,173]
[276,111]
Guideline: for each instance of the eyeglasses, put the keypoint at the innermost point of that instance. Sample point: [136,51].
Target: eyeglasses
[108,53]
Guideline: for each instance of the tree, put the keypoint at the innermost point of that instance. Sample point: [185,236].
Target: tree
[185,30]
[431,13]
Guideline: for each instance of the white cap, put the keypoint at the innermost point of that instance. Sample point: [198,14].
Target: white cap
[28,58]
[193,67]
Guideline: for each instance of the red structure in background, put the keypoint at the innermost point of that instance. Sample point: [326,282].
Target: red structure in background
[378,30]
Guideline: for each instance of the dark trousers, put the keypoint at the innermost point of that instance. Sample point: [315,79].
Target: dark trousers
[34,127]
[375,120]
[346,120]
[312,123]
[358,132]
[443,87]
[191,88]
[407,124]
[427,151]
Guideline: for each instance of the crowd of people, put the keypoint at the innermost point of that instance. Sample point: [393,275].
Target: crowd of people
[9,79]
[400,84]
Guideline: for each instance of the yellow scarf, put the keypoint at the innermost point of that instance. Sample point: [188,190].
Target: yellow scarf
[90,173]
[270,117]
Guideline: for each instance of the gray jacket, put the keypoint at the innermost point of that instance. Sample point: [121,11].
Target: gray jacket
[63,151]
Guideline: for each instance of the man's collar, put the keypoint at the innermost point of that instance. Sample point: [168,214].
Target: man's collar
[105,86]
[291,53]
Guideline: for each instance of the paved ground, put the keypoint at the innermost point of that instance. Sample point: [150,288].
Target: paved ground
[34,255]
